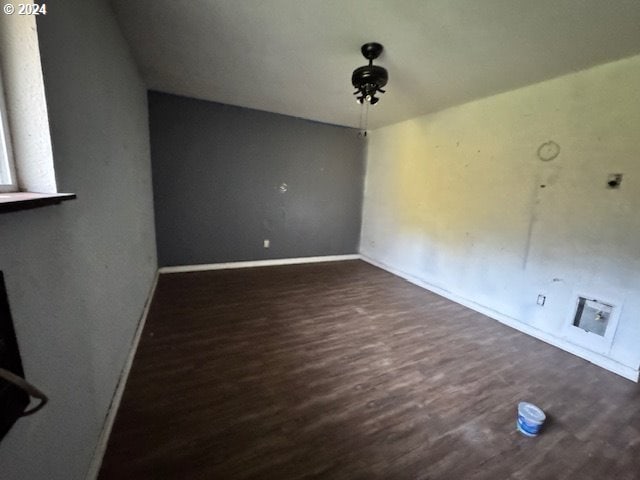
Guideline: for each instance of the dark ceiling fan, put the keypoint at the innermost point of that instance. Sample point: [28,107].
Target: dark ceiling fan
[369,79]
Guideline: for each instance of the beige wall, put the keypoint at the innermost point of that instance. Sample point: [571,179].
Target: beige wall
[455,199]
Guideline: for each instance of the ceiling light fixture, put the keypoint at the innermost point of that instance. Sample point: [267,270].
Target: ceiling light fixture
[368,81]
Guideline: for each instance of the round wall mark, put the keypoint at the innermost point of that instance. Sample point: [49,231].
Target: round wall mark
[548,151]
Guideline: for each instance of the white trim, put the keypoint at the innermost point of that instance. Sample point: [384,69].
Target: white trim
[593,357]
[257,263]
[103,440]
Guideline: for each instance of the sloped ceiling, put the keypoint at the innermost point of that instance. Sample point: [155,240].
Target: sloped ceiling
[296,56]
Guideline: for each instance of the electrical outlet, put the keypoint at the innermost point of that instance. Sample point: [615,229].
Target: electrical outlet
[541,300]
[266,243]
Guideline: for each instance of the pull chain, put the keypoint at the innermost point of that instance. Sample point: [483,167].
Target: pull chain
[364,118]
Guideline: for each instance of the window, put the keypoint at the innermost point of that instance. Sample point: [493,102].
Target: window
[7,171]
[27,175]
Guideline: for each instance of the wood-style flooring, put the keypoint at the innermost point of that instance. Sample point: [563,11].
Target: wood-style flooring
[344,371]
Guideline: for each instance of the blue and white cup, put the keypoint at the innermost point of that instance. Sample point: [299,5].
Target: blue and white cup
[530,419]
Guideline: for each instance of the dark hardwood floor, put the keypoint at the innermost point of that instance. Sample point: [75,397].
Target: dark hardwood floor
[343,371]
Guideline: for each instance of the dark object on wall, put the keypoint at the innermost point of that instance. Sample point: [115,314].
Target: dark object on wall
[614,180]
[14,390]
[369,79]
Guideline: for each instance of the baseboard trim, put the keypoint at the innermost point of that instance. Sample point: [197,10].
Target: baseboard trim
[110,418]
[604,362]
[257,263]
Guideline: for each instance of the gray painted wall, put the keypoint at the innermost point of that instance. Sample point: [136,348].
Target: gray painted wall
[217,170]
[78,274]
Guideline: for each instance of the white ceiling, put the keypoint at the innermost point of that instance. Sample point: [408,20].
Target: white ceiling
[296,56]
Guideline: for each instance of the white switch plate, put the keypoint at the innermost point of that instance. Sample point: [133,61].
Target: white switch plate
[266,243]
